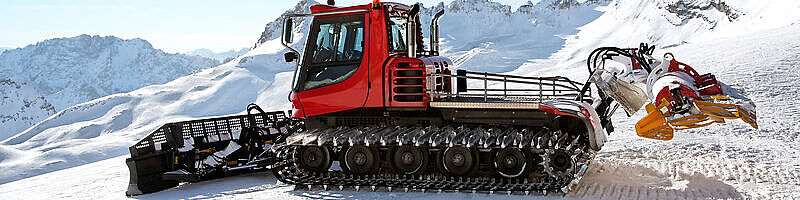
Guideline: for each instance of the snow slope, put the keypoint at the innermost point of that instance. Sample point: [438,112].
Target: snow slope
[664,23]
[103,128]
[480,35]
[21,106]
[221,56]
[728,159]
[721,161]
[68,71]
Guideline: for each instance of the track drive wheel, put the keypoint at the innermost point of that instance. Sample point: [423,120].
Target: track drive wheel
[409,160]
[510,162]
[313,158]
[360,159]
[558,163]
[459,160]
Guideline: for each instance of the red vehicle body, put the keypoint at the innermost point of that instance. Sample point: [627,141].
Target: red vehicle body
[383,79]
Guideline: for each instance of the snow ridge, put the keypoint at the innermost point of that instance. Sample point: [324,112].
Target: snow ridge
[482,35]
[694,9]
[221,57]
[665,24]
[20,107]
[273,29]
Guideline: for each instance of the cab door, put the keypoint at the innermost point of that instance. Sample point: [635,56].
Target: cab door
[334,73]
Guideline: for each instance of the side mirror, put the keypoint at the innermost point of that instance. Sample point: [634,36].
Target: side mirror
[287,31]
[289,56]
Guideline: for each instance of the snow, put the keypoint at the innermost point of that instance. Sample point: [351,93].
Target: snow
[626,23]
[221,56]
[759,58]
[103,128]
[21,106]
[479,35]
[68,71]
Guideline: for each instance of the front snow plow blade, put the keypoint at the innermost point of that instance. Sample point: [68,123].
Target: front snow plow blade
[196,150]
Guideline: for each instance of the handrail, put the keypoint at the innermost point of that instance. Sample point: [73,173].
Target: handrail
[559,87]
[516,81]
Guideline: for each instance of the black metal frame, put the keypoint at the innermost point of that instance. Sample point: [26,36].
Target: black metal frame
[172,135]
[158,153]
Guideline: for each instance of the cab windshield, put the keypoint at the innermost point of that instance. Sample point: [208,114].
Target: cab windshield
[334,51]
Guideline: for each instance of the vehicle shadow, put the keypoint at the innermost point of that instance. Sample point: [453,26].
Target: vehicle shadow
[620,180]
[234,186]
[603,180]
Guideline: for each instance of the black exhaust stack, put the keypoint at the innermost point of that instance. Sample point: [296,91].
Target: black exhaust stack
[435,32]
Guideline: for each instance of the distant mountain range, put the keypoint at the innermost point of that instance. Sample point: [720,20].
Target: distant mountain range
[68,71]
[51,75]
[222,57]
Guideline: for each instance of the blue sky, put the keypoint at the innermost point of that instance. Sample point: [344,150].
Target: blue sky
[174,26]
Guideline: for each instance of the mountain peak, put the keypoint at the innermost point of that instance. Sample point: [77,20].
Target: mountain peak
[697,9]
[273,29]
[474,6]
[72,70]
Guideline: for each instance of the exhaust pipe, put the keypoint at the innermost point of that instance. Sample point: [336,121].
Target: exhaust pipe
[411,31]
[435,32]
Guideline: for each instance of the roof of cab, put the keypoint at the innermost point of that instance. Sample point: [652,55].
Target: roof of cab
[322,8]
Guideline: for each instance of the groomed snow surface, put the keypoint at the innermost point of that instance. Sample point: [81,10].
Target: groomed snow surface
[729,160]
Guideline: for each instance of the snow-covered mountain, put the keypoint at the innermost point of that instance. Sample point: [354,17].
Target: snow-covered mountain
[2,49]
[106,126]
[665,23]
[68,71]
[21,106]
[221,57]
[750,45]
[481,35]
